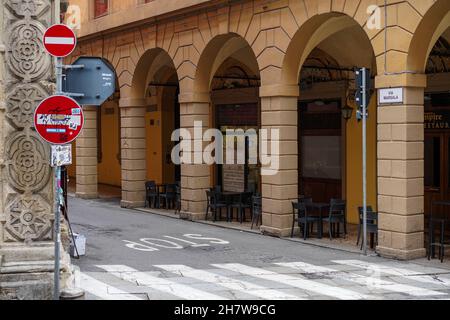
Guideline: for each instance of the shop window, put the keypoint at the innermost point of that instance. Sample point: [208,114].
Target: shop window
[101,8]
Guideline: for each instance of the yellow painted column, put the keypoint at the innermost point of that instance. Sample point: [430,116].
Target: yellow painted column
[195,178]
[86,153]
[401,169]
[279,108]
[133,142]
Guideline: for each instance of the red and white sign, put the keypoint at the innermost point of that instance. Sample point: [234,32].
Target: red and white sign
[60,40]
[59,120]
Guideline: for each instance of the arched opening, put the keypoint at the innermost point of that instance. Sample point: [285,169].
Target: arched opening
[97,154]
[430,54]
[156,82]
[228,72]
[331,47]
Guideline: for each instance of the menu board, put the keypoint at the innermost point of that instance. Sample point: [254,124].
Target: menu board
[233,178]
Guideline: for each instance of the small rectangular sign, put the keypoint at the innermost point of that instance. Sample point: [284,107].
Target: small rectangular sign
[61,155]
[390,96]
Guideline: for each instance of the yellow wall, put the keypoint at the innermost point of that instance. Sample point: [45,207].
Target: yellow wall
[109,170]
[168,126]
[154,147]
[354,163]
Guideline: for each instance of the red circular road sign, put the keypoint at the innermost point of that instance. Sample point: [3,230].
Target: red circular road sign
[60,40]
[59,120]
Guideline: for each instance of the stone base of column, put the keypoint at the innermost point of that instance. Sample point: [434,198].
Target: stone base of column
[86,196]
[27,272]
[192,216]
[404,255]
[275,232]
[132,204]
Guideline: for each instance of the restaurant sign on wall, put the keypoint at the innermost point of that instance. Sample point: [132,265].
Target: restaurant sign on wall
[437,120]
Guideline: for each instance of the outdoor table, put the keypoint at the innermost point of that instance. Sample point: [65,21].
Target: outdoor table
[228,196]
[319,207]
[161,188]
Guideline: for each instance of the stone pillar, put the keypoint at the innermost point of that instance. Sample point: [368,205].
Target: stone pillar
[133,142]
[279,107]
[195,178]
[87,156]
[401,170]
[26,182]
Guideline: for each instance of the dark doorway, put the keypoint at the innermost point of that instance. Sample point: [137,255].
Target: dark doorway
[320,150]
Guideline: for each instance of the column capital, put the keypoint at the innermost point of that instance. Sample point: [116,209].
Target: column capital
[278,90]
[194,97]
[90,108]
[133,103]
[411,80]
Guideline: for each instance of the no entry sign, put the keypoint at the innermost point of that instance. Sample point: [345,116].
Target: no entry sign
[59,120]
[60,41]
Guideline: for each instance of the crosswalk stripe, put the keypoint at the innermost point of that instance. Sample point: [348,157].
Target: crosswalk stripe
[296,282]
[229,283]
[370,282]
[167,286]
[101,289]
[394,271]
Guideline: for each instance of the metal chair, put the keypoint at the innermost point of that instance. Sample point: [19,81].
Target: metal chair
[372,224]
[168,195]
[300,215]
[214,205]
[337,217]
[257,210]
[151,194]
[361,221]
[178,199]
[442,222]
[244,203]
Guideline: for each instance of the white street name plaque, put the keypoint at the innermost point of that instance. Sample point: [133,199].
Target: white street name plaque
[390,96]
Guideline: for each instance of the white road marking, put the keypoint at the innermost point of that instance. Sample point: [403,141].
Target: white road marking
[147,280]
[371,282]
[296,282]
[59,40]
[394,271]
[229,283]
[101,289]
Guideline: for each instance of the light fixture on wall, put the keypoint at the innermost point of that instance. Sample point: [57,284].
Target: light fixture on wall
[347,112]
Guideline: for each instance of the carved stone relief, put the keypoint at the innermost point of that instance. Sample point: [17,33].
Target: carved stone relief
[26,170]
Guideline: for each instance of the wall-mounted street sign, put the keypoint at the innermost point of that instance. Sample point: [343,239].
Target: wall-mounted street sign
[390,96]
[93,78]
[59,41]
[59,120]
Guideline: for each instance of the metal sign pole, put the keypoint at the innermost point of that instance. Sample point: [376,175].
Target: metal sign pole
[364,117]
[59,75]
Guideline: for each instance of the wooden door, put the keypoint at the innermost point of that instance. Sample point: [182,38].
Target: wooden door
[437,170]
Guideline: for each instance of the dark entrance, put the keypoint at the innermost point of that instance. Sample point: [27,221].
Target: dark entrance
[437,150]
[320,150]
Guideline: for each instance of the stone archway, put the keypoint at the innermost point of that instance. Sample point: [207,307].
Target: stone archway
[147,124]
[96,153]
[329,33]
[428,61]
[220,53]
